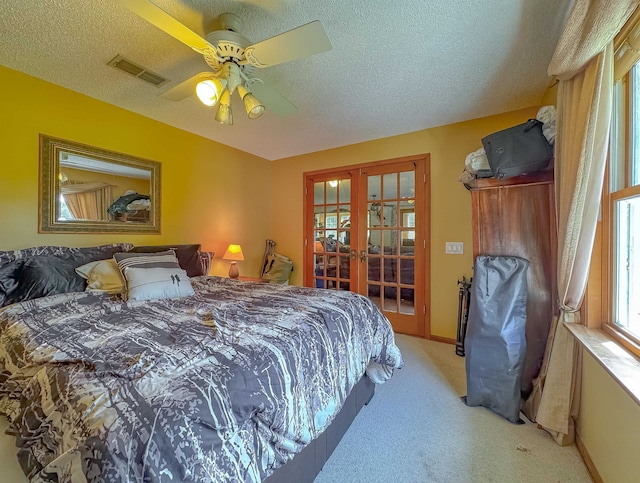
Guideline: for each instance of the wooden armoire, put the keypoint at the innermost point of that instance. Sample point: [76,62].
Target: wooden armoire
[516,217]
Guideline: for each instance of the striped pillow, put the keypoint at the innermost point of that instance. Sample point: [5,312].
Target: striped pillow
[165,259]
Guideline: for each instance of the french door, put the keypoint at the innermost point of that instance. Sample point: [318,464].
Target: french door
[366,230]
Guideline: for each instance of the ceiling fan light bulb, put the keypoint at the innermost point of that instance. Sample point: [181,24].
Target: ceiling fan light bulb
[224,114]
[253,106]
[209,91]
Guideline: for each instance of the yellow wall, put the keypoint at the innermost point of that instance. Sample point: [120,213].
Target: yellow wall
[211,194]
[608,424]
[450,201]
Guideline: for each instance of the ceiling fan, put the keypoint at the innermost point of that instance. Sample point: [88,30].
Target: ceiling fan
[233,59]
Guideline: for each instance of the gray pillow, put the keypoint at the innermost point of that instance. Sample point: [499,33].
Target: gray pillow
[45,275]
[9,274]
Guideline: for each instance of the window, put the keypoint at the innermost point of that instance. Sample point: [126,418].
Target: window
[622,200]
[65,212]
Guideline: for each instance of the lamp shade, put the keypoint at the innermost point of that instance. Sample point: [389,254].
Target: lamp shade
[224,114]
[210,90]
[252,105]
[234,252]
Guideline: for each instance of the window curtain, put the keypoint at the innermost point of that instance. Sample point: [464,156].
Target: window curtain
[583,63]
[87,201]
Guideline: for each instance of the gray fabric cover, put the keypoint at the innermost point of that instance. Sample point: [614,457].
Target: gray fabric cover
[495,343]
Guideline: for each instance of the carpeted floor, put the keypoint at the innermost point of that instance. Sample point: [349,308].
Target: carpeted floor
[416,429]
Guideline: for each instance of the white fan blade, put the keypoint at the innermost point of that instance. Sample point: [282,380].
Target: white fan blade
[161,19]
[309,39]
[186,88]
[272,99]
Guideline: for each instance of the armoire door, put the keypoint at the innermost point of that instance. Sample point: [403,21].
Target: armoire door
[516,217]
[366,231]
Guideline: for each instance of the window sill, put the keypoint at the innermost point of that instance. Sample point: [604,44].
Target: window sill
[614,358]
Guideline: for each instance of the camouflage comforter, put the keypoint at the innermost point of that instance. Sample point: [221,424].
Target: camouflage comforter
[226,385]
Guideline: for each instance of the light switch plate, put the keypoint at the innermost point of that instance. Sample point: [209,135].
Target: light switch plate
[455,248]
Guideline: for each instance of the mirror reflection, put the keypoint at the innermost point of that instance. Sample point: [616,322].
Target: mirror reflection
[87,189]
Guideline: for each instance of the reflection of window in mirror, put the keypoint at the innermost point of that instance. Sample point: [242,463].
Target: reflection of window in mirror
[65,213]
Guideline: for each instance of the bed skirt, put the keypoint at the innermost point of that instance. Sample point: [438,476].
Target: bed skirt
[306,465]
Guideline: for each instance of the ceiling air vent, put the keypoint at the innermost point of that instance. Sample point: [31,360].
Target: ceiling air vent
[134,69]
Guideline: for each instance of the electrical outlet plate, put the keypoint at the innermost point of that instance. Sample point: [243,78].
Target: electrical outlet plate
[454,248]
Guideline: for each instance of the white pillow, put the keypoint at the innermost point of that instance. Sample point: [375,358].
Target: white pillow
[103,276]
[157,283]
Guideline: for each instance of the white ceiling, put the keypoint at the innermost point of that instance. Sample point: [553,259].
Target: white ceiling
[396,66]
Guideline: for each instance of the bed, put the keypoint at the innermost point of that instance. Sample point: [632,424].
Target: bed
[235,381]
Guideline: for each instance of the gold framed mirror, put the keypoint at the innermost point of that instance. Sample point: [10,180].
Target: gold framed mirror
[84,189]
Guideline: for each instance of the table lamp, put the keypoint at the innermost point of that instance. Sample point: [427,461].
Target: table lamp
[233,253]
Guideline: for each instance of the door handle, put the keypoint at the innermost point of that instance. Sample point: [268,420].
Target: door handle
[352,254]
[363,255]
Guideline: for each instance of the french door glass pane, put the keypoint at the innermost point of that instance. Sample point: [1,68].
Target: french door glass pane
[408,211]
[407,305]
[375,215]
[375,238]
[390,272]
[390,217]
[344,267]
[344,237]
[332,192]
[390,186]
[373,269]
[406,271]
[344,191]
[374,188]
[390,242]
[318,193]
[627,264]
[389,304]
[408,184]
[318,216]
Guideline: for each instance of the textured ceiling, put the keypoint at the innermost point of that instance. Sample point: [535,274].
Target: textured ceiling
[396,66]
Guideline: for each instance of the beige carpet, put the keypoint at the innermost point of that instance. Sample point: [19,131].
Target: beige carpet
[416,429]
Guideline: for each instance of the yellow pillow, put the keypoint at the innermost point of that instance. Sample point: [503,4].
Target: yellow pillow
[103,276]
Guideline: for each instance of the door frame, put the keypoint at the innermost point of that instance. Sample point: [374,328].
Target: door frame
[423,237]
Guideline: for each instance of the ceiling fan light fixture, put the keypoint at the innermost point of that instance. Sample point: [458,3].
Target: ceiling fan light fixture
[224,114]
[252,105]
[210,90]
